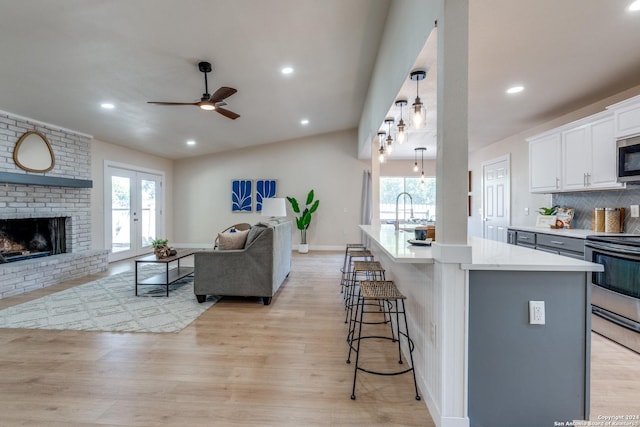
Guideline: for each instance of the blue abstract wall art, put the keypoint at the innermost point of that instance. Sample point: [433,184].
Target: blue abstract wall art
[241,192]
[265,188]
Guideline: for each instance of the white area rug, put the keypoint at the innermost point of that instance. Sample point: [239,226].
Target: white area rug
[110,305]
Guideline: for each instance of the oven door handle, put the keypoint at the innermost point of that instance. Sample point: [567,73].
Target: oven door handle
[620,251]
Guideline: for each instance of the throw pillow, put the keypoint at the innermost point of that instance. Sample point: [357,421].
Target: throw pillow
[233,240]
[254,232]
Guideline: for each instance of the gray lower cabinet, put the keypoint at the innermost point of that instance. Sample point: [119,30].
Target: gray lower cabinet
[523,374]
[567,246]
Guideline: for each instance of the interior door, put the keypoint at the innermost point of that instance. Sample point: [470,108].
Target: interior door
[133,218]
[496,198]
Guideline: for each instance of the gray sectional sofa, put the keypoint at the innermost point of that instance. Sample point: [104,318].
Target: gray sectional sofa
[257,270]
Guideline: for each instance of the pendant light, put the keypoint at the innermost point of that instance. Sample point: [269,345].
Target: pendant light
[401,136]
[422,150]
[418,107]
[381,150]
[389,121]
[415,160]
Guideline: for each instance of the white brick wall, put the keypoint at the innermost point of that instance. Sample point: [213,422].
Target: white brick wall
[72,160]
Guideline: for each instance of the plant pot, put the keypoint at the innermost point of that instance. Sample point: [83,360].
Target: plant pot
[303,248]
[162,251]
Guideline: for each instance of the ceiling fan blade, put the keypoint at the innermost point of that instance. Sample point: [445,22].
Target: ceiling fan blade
[172,103]
[229,114]
[222,93]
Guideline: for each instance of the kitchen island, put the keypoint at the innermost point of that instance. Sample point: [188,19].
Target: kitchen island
[476,352]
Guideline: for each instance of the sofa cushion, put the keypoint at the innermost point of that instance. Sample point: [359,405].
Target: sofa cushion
[254,232]
[232,240]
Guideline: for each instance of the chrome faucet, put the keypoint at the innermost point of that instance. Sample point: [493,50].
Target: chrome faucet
[397,222]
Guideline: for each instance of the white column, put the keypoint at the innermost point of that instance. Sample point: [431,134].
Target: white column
[450,249]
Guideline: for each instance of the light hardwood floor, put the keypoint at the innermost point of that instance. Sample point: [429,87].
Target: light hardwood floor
[240,363]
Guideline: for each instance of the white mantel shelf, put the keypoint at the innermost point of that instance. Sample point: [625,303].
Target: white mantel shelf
[486,254]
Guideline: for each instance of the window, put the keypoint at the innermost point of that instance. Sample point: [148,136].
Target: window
[423,195]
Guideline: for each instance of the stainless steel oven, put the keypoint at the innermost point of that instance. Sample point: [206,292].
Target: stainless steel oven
[615,292]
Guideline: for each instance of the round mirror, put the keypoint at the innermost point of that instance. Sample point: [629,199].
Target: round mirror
[33,152]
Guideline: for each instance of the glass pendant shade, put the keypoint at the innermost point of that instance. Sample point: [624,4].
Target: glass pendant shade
[418,107]
[418,113]
[401,137]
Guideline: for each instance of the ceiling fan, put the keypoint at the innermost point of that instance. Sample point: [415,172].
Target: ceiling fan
[208,102]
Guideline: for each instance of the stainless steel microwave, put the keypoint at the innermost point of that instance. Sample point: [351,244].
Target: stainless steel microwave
[629,159]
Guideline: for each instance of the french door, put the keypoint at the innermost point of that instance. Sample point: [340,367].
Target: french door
[133,210]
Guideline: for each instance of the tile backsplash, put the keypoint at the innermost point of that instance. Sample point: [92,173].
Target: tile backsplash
[583,202]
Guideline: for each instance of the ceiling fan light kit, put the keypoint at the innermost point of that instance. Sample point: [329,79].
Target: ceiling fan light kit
[208,102]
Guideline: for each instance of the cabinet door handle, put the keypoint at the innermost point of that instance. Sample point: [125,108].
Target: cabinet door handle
[588,180]
[584,179]
[557,182]
[555,242]
[524,238]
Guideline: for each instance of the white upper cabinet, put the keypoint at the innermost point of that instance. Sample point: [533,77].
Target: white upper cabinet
[604,172]
[576,157]
[544,163]
[589,155]
[626,117]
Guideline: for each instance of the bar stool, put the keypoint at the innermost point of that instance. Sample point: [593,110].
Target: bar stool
[371,270]
[381,290]
[351,254]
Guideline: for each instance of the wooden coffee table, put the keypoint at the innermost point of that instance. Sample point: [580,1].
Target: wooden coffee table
[172,273]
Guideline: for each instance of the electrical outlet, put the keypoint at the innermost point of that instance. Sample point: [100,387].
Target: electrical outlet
[536,313]
[635,211]
[526,211]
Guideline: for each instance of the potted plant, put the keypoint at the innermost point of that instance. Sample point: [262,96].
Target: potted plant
[161,248]
[304,219]
[546,217]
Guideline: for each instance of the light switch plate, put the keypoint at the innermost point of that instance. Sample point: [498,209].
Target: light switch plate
[635,211]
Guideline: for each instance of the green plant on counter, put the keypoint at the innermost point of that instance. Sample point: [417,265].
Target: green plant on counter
[548,211]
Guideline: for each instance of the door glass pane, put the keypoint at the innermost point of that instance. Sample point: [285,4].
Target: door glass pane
[120,214]
[148,197]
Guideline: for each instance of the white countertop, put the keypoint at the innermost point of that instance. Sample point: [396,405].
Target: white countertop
[486,254]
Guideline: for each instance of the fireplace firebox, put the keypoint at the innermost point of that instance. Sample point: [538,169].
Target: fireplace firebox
[31,238]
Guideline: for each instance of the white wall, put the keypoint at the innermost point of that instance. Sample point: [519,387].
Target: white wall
[519,149]
[101,151]
[326,163]
[405,168]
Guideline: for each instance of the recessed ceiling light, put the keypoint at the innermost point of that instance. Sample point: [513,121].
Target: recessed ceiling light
[304,122]
[635,6]
[515,89]
[191,142]
[287,70]
[107,106]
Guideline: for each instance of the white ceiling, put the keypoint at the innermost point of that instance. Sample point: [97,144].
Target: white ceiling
[61,59]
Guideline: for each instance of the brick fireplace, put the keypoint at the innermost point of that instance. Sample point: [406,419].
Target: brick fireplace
[52,196]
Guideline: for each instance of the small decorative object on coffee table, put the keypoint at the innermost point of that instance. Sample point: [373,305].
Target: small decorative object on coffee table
[161,248]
